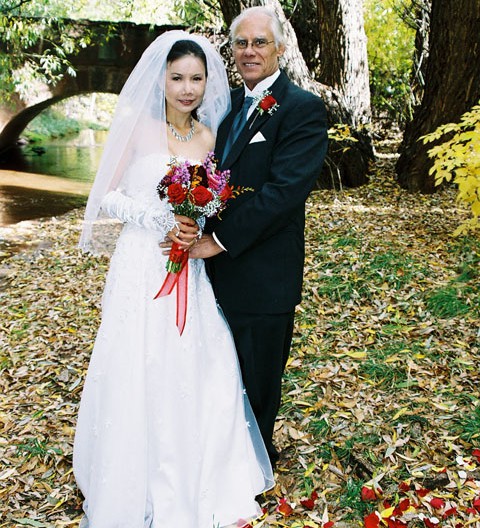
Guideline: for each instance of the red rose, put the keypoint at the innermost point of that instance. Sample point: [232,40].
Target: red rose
[176,193]
[226,193]
[267,102]
[201,196]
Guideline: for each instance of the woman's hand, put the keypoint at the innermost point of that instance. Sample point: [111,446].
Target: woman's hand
[185,233]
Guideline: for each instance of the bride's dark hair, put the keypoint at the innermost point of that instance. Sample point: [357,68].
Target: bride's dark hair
[181,48]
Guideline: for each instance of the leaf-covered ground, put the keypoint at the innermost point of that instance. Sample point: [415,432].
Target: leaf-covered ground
[380,422]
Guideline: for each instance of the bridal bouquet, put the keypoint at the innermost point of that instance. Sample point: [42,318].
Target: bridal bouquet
[197,191]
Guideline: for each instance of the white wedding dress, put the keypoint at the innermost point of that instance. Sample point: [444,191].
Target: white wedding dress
[165,435]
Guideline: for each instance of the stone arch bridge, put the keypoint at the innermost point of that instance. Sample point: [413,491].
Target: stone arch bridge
[103,66]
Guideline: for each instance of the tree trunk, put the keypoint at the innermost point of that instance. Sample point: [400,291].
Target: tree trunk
[452,85]
[347,161]
[343,54]
[230,9]
[420,55]
[303,18]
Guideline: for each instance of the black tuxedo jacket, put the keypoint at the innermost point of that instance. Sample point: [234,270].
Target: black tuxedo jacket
[280,156]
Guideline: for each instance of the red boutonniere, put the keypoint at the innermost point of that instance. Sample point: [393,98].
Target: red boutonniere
[265,102]
[268,103]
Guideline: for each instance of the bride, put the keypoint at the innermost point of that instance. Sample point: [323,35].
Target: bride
[165,435]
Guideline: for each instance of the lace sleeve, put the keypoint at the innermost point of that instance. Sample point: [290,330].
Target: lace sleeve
[117,205]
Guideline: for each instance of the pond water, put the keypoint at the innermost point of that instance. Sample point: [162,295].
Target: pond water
[45,180]
[28,192]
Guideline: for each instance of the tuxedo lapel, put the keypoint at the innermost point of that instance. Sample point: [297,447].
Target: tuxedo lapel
[226,125]
[255,121]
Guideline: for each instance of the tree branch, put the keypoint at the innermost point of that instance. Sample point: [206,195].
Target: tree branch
[6,10]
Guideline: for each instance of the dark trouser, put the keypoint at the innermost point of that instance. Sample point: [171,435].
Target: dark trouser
[263,345]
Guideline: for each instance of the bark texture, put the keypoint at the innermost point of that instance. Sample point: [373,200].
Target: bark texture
[420,57]
[343,54]
[452,85]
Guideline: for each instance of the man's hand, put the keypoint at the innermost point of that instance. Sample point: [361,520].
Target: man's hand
[205,247]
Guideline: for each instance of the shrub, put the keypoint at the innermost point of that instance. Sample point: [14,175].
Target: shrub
[458,158]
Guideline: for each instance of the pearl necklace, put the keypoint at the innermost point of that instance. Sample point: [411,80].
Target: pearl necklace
[178,136]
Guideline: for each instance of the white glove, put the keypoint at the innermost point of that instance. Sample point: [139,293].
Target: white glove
[117,205]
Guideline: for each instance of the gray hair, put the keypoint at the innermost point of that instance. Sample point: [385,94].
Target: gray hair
[275,24]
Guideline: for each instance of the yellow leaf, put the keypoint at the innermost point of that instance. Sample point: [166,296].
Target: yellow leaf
[400,413]
[302,403]
[392,359]
[387,513]
[310,469]
[356,355]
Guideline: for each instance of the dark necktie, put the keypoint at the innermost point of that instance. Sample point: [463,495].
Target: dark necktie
[238,124]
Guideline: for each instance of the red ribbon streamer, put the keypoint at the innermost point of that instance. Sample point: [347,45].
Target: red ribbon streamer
[178,259]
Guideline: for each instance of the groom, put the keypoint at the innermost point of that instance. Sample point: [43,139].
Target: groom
[275,142]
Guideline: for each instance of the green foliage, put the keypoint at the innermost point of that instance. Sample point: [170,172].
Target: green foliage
[156,12]
[320,427]
[448,302]
[198,13]
[390,52]
[468,249]
[21,65]
[390,269]
[68,117]
[461,295]
[51,124]
[382,373]
[350,499]
[24,24]
[468,426]
[458,158]
[34,447]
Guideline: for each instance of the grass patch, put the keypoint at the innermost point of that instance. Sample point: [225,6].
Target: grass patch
[461,295]
[392,267]
[358,275]
[33,447]
[468,426]
[383,374]
[448,302]
[350,500]
[320,427]
[51,124]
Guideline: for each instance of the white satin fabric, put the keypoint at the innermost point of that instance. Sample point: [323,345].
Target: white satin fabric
[165,434]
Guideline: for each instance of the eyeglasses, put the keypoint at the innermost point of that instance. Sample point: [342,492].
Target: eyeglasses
[256,43]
